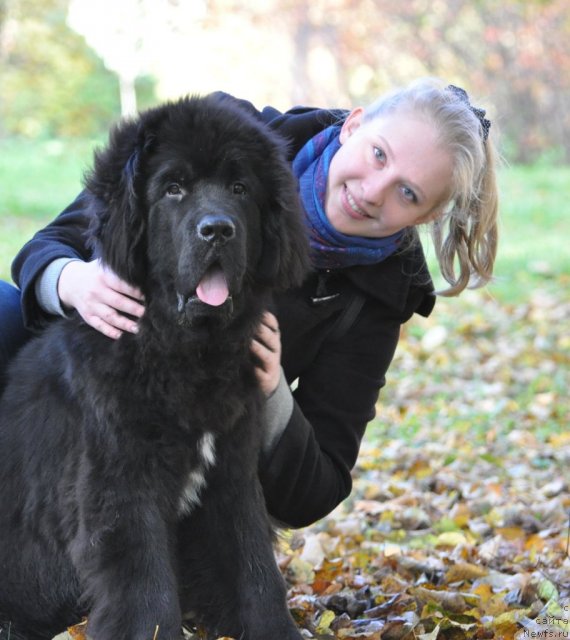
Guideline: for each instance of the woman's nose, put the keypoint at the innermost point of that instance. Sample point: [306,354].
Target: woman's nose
[374,188]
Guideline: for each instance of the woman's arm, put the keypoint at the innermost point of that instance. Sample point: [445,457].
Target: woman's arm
[307,473]
[56,272]
[62,238]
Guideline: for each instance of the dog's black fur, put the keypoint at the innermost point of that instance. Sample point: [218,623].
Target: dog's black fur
[128,484]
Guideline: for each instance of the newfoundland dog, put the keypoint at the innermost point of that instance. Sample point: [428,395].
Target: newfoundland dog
[128,482]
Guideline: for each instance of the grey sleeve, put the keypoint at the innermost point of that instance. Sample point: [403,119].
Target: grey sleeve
[278,411]
[46,287]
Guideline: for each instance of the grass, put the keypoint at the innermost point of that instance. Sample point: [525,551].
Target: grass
[535,226]
[39,178]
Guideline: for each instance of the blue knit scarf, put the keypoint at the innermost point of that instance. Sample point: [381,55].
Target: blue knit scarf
[332,249]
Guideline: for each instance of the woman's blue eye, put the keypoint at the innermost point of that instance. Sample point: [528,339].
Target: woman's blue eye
[379,154]
[409,194]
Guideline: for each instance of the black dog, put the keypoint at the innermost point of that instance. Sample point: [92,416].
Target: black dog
[128,481]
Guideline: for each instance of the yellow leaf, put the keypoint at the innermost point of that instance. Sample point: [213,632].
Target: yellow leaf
[460,514]
[300,572]
[464,571]
[449,600]
[484,591]
[547,591]
[496,605]
[327,618]
[450,539]
[559,440]
[535,543]
[506,625]
[420,469]
[511,533]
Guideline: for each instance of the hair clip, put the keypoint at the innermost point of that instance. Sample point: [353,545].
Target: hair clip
[480,113]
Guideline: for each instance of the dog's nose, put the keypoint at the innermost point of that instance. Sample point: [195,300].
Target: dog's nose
[216,228]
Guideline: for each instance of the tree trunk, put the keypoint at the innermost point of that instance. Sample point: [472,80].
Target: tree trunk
[128,95]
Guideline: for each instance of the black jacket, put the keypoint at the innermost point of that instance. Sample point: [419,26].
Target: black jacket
[338,378]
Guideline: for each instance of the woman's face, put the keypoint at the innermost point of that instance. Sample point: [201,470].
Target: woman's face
[389,173]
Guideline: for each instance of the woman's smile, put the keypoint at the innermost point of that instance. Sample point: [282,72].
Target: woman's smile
[388,174]
[351,207]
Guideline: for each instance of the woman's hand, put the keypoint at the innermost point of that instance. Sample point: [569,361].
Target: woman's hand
[266,346]
[100,297]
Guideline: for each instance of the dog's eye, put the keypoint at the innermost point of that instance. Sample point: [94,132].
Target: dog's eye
[239,188]
[173,189]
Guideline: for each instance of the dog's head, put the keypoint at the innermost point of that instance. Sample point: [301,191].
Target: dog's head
[195,201]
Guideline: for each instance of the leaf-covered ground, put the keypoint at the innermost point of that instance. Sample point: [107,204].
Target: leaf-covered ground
[458,522]
[457,526]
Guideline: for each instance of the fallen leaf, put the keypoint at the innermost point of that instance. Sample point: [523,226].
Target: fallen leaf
[448,600]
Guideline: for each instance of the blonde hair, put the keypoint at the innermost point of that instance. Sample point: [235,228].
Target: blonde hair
[466,233]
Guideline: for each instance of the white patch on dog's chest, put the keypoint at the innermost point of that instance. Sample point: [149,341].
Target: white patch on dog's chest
[196,479]
[207,449]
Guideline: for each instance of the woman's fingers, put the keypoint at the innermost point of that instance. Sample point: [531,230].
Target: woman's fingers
[269,336]
[266,347]
[114,283]
[109,321]
[103,300]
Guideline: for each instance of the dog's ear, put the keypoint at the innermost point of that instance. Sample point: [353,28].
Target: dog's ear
[284,260]
[117,197]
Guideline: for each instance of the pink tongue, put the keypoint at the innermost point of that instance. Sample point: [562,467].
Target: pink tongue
[213,289]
